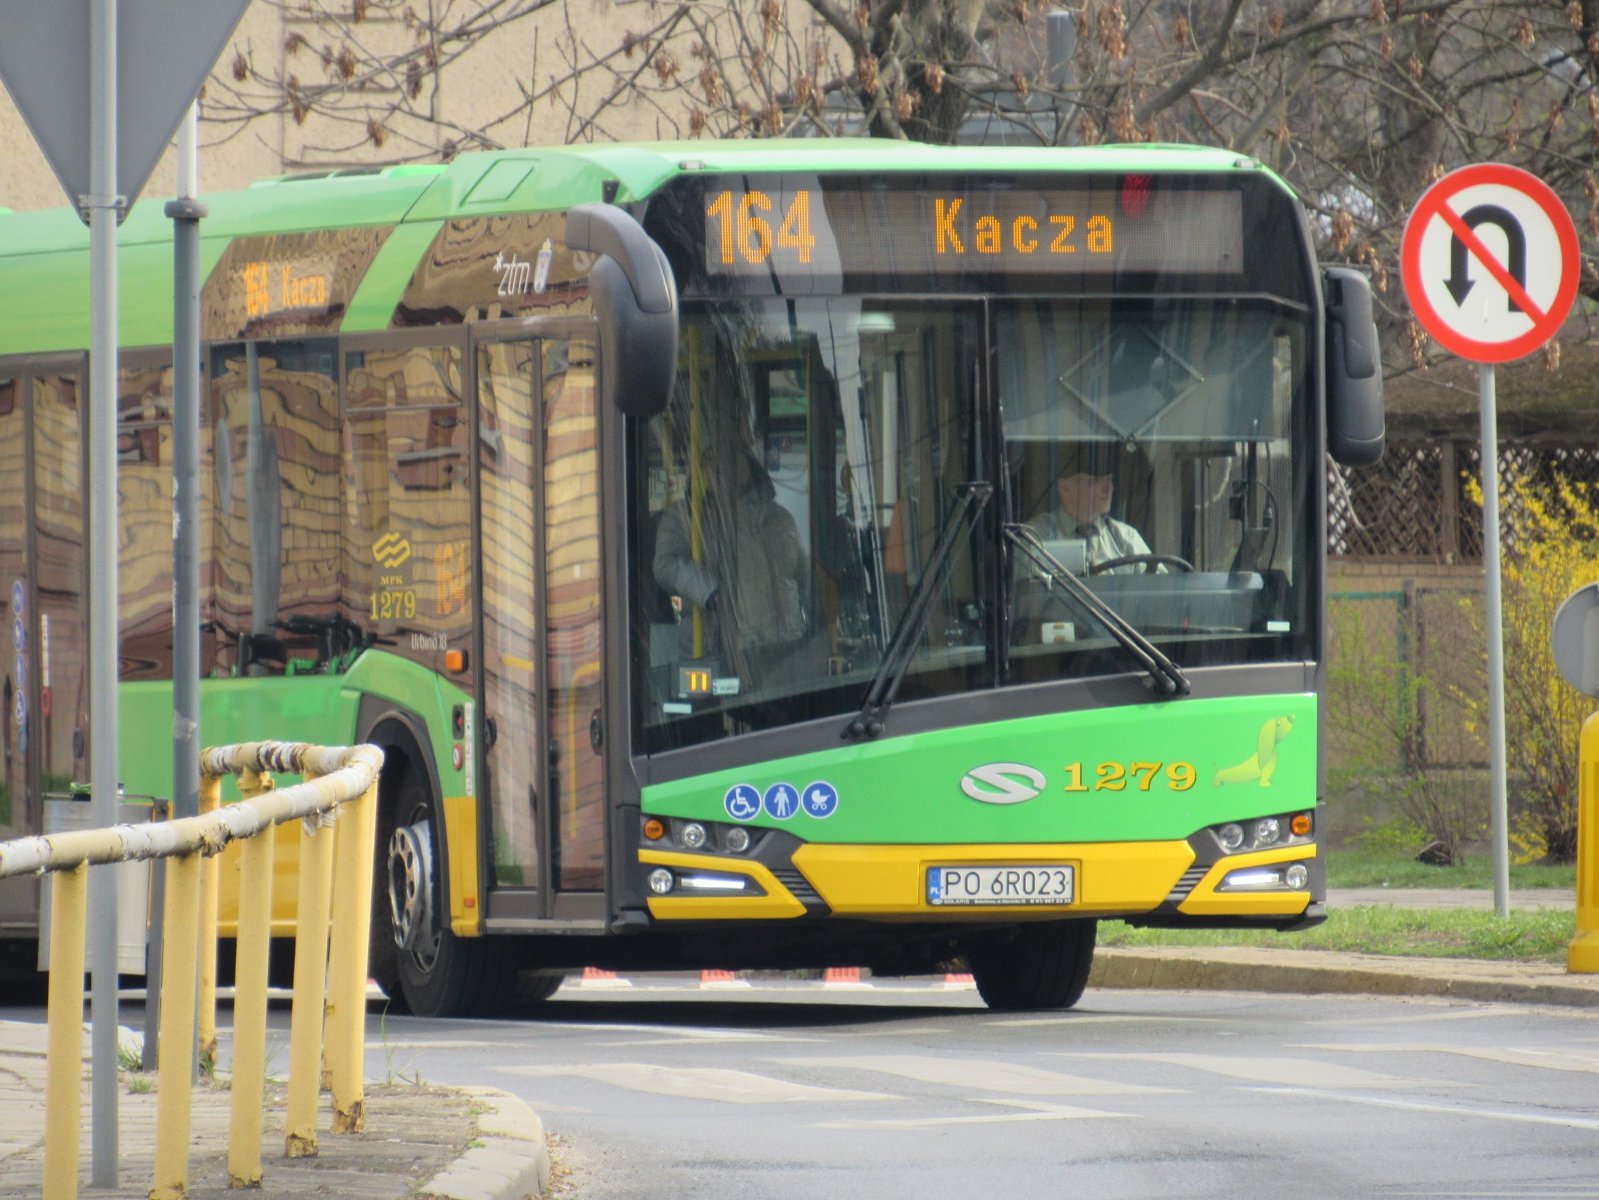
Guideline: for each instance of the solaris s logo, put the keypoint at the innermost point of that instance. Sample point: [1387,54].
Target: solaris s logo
[1003,783]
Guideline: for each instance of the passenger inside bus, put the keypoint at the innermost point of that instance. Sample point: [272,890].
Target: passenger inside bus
[1080,522]
[747,582]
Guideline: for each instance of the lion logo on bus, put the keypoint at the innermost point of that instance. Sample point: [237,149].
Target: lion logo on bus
[1003,783]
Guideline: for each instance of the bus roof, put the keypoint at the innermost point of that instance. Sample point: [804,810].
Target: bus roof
[43,254]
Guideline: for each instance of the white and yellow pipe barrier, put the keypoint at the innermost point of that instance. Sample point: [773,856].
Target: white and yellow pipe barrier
[334,776]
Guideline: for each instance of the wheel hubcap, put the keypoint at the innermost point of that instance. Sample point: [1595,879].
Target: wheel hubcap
[411,892]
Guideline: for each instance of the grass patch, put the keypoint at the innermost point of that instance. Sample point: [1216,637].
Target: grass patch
[1539,935]
[1356,868]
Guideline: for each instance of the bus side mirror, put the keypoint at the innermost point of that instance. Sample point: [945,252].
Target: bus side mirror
[1354,370]
[635,300]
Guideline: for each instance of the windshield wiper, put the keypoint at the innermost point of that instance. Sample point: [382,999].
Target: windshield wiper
[868,724]
[1167,676]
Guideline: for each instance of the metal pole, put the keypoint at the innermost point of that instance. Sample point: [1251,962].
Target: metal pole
[104,210]
[1496,639]
[185,213]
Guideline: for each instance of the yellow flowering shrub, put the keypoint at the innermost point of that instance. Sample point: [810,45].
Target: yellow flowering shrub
[1550,548]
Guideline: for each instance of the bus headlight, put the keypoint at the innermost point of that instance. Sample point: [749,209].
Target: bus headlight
[661,881]
[693,836]
[1283,829]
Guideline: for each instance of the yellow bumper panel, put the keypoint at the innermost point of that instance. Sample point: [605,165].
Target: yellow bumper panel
[1206,901]
[460,835]
[777,904]
[890,881]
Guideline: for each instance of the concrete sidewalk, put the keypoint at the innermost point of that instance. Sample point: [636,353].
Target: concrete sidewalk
[425,1141]
[420,1140]
[1529,898]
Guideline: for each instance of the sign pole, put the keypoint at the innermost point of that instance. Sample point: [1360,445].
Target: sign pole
[1490,301]
[103,208]
[1498,807]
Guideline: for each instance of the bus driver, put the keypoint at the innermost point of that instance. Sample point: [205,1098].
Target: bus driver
[1083,491]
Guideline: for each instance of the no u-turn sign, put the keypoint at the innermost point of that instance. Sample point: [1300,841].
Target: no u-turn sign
[1490,262]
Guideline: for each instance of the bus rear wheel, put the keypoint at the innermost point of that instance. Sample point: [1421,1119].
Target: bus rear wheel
[1035,966]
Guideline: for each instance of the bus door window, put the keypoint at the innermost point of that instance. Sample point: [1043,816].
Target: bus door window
[408,511]
[60,559]
[278,534]
[514,753]
[16,722]
[573,617]
[144,511]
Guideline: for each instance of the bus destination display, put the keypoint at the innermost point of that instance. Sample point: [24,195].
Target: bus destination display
[795,228]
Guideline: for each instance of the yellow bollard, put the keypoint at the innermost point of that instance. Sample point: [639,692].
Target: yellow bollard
[180,935]
[310,982]
[210,870]
[1582,956]
[63,1104]
[352,919]
[250,1008]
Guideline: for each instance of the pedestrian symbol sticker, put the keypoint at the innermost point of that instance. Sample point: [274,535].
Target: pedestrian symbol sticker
[781,801]
[821,799]
[742,802]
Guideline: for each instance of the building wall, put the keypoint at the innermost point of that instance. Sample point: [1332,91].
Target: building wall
[476,101]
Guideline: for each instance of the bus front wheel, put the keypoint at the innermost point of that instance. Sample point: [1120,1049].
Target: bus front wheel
[1035,966]
[438,974]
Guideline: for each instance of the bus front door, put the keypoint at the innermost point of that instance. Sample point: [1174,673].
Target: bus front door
[542,677]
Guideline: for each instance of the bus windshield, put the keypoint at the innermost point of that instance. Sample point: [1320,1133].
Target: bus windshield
[790,496]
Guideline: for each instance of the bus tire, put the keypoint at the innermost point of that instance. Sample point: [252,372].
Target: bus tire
[1040,966]
[435,972]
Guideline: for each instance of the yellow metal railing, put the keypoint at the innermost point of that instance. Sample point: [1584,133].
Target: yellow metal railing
[335,861]
[1582,955]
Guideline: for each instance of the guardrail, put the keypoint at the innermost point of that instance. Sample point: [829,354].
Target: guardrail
[340,862]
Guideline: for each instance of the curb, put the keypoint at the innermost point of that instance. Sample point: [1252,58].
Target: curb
[1248,970]
[509,1159]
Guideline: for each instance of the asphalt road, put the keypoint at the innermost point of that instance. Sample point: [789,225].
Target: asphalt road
[785,1091]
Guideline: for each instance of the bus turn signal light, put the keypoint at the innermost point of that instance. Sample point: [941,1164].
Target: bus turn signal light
[654,830]
[1300,824]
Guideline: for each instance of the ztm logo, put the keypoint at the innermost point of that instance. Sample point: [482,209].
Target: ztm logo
[391,550]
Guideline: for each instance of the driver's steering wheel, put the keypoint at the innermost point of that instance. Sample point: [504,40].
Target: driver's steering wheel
[1149,561]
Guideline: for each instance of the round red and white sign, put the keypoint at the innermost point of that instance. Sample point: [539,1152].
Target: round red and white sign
[1490,262]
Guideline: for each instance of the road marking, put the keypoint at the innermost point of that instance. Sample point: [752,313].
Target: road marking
[698,1083]
[964,1073]
[1446,1010]
[1453,1110]
[1035,1112]
[1550,1060]
[1296,1072]
[707,1038]
[1106,1019]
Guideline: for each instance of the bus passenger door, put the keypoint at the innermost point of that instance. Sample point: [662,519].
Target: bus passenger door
[542,678]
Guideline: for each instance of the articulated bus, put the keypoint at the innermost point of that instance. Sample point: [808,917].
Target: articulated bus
[748,555]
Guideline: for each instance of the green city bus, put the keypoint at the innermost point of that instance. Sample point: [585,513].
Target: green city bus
[714,537]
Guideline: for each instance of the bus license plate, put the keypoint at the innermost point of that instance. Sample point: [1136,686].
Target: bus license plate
[1019,884]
